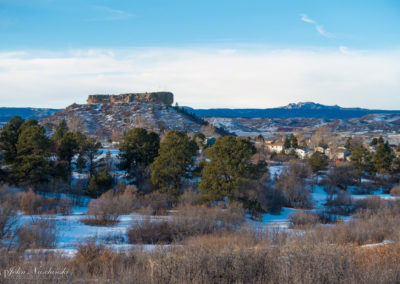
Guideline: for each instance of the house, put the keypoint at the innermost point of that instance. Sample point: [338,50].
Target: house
[276,147]
[341,153]
[302,153]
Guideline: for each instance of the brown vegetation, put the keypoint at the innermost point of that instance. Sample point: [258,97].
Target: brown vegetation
[186,221]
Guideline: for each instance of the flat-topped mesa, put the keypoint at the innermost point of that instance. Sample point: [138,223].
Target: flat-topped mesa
[166,98]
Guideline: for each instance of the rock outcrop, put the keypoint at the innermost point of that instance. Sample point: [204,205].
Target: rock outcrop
[165,98]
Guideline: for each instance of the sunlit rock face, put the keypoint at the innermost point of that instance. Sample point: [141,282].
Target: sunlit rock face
[165,98]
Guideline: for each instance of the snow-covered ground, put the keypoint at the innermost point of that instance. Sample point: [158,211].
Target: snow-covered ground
[72,231]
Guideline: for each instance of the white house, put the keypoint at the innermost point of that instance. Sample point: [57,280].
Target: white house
[276,147]
[302,153]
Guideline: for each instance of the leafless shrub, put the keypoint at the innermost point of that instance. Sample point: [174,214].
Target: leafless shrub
[154,203]
[395,191]
[341,204]
[373,203]
[303,219]
[190,196]
[39,233]
[32,203]
[300,169]
[103,211]
[294,190]
[8,219]
[341,177]
[186,221]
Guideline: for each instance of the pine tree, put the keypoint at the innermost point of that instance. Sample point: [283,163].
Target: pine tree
[361,161]
[230,166]
[9,139]
[293,141]
[137,151]
[383,157]
[174,162]
[318,162]
[32,166]
[287,143]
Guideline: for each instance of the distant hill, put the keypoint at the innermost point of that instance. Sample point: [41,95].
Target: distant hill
[294,110]
[6,113]
[110,120]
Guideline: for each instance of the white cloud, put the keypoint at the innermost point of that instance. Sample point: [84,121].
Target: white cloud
[204,77]
[320,29]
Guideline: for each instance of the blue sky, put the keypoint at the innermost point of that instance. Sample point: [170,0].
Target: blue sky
[209,53]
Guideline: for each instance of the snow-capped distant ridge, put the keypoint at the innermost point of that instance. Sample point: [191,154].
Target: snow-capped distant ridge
[309,105]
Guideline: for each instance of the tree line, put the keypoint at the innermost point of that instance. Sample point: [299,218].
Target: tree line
[33,158]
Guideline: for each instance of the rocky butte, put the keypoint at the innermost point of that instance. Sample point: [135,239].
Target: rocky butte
[165,98]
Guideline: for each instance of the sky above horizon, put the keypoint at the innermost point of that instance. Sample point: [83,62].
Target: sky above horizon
[209,53]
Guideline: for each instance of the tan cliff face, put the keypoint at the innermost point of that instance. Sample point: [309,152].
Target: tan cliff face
[165,98]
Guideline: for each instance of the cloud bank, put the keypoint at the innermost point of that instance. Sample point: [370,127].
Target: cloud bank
[204,78]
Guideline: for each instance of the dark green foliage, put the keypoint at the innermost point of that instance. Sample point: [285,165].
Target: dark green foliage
[293,141]
[176,157]
[61,131]
[383,157]
[230,167]
[80,163]
[137,151]
[91,150]
[318,162]
[374,142]
[361,160]
[287,144]
[100,183]
[32,166]
[190,115]
[9,138]
[66,146]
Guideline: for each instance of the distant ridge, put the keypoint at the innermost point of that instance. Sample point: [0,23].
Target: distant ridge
[293,110]
[6,113]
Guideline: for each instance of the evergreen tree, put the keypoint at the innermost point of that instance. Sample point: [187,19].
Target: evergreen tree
[174,162]
[361,161]
[80,163]
[137,151]
[9,139]
[230,167]
[293,141]
[32,166]
[374,142]
[100,183]
[61,131]
[318,162]
[287,143]
[91,151]
[66,146]
[383,157]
